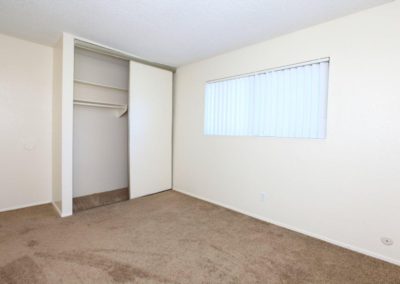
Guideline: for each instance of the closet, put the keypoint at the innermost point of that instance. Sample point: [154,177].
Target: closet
[112,126]
[100,130]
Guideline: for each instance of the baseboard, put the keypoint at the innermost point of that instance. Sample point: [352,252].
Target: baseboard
[292,228]
[25,206]
[57,209]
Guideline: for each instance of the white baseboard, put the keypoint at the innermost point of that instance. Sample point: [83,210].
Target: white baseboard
[57,209]
[35,204]
[25,206]
[323,238]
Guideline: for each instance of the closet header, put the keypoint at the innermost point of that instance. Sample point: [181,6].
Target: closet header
[119,54]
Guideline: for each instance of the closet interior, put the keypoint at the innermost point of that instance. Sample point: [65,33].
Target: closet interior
[100,130]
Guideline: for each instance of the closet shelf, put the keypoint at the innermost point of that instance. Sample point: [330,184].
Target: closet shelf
[121,109]
[100,85]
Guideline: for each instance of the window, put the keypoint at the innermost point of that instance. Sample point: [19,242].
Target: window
[282,102]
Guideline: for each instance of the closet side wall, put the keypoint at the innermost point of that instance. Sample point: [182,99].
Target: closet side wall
[63,74]
[56,124]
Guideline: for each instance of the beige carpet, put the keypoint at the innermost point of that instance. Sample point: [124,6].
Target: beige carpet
[170,238]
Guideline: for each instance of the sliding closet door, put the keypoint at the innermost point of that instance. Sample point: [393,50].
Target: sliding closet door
[150,129]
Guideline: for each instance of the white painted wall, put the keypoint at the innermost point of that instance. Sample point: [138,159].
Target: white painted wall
[26,76]
[102,69]
[344,189]
[56,125]
[100,161]
[63,83]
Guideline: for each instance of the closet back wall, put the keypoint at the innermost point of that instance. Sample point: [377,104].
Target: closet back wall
[100,161]
[25,123]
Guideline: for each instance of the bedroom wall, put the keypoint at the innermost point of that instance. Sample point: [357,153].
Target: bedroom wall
[25,123]
[344,189]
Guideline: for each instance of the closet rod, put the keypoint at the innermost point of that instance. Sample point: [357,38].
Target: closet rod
[121,112]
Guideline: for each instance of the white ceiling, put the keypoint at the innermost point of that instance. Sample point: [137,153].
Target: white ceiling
[173,32]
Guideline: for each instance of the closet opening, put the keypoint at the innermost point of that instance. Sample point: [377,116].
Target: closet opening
[101,130]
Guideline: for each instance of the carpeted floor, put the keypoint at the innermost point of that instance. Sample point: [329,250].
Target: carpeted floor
[170,238]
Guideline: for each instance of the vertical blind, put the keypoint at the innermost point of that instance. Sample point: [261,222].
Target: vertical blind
[285,102]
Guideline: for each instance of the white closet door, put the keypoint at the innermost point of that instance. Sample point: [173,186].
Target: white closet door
[150,129]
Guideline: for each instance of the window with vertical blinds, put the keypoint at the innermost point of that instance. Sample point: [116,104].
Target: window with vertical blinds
[282,102]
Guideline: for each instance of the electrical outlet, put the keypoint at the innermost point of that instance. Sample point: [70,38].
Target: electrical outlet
[263,196]
[387,241]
